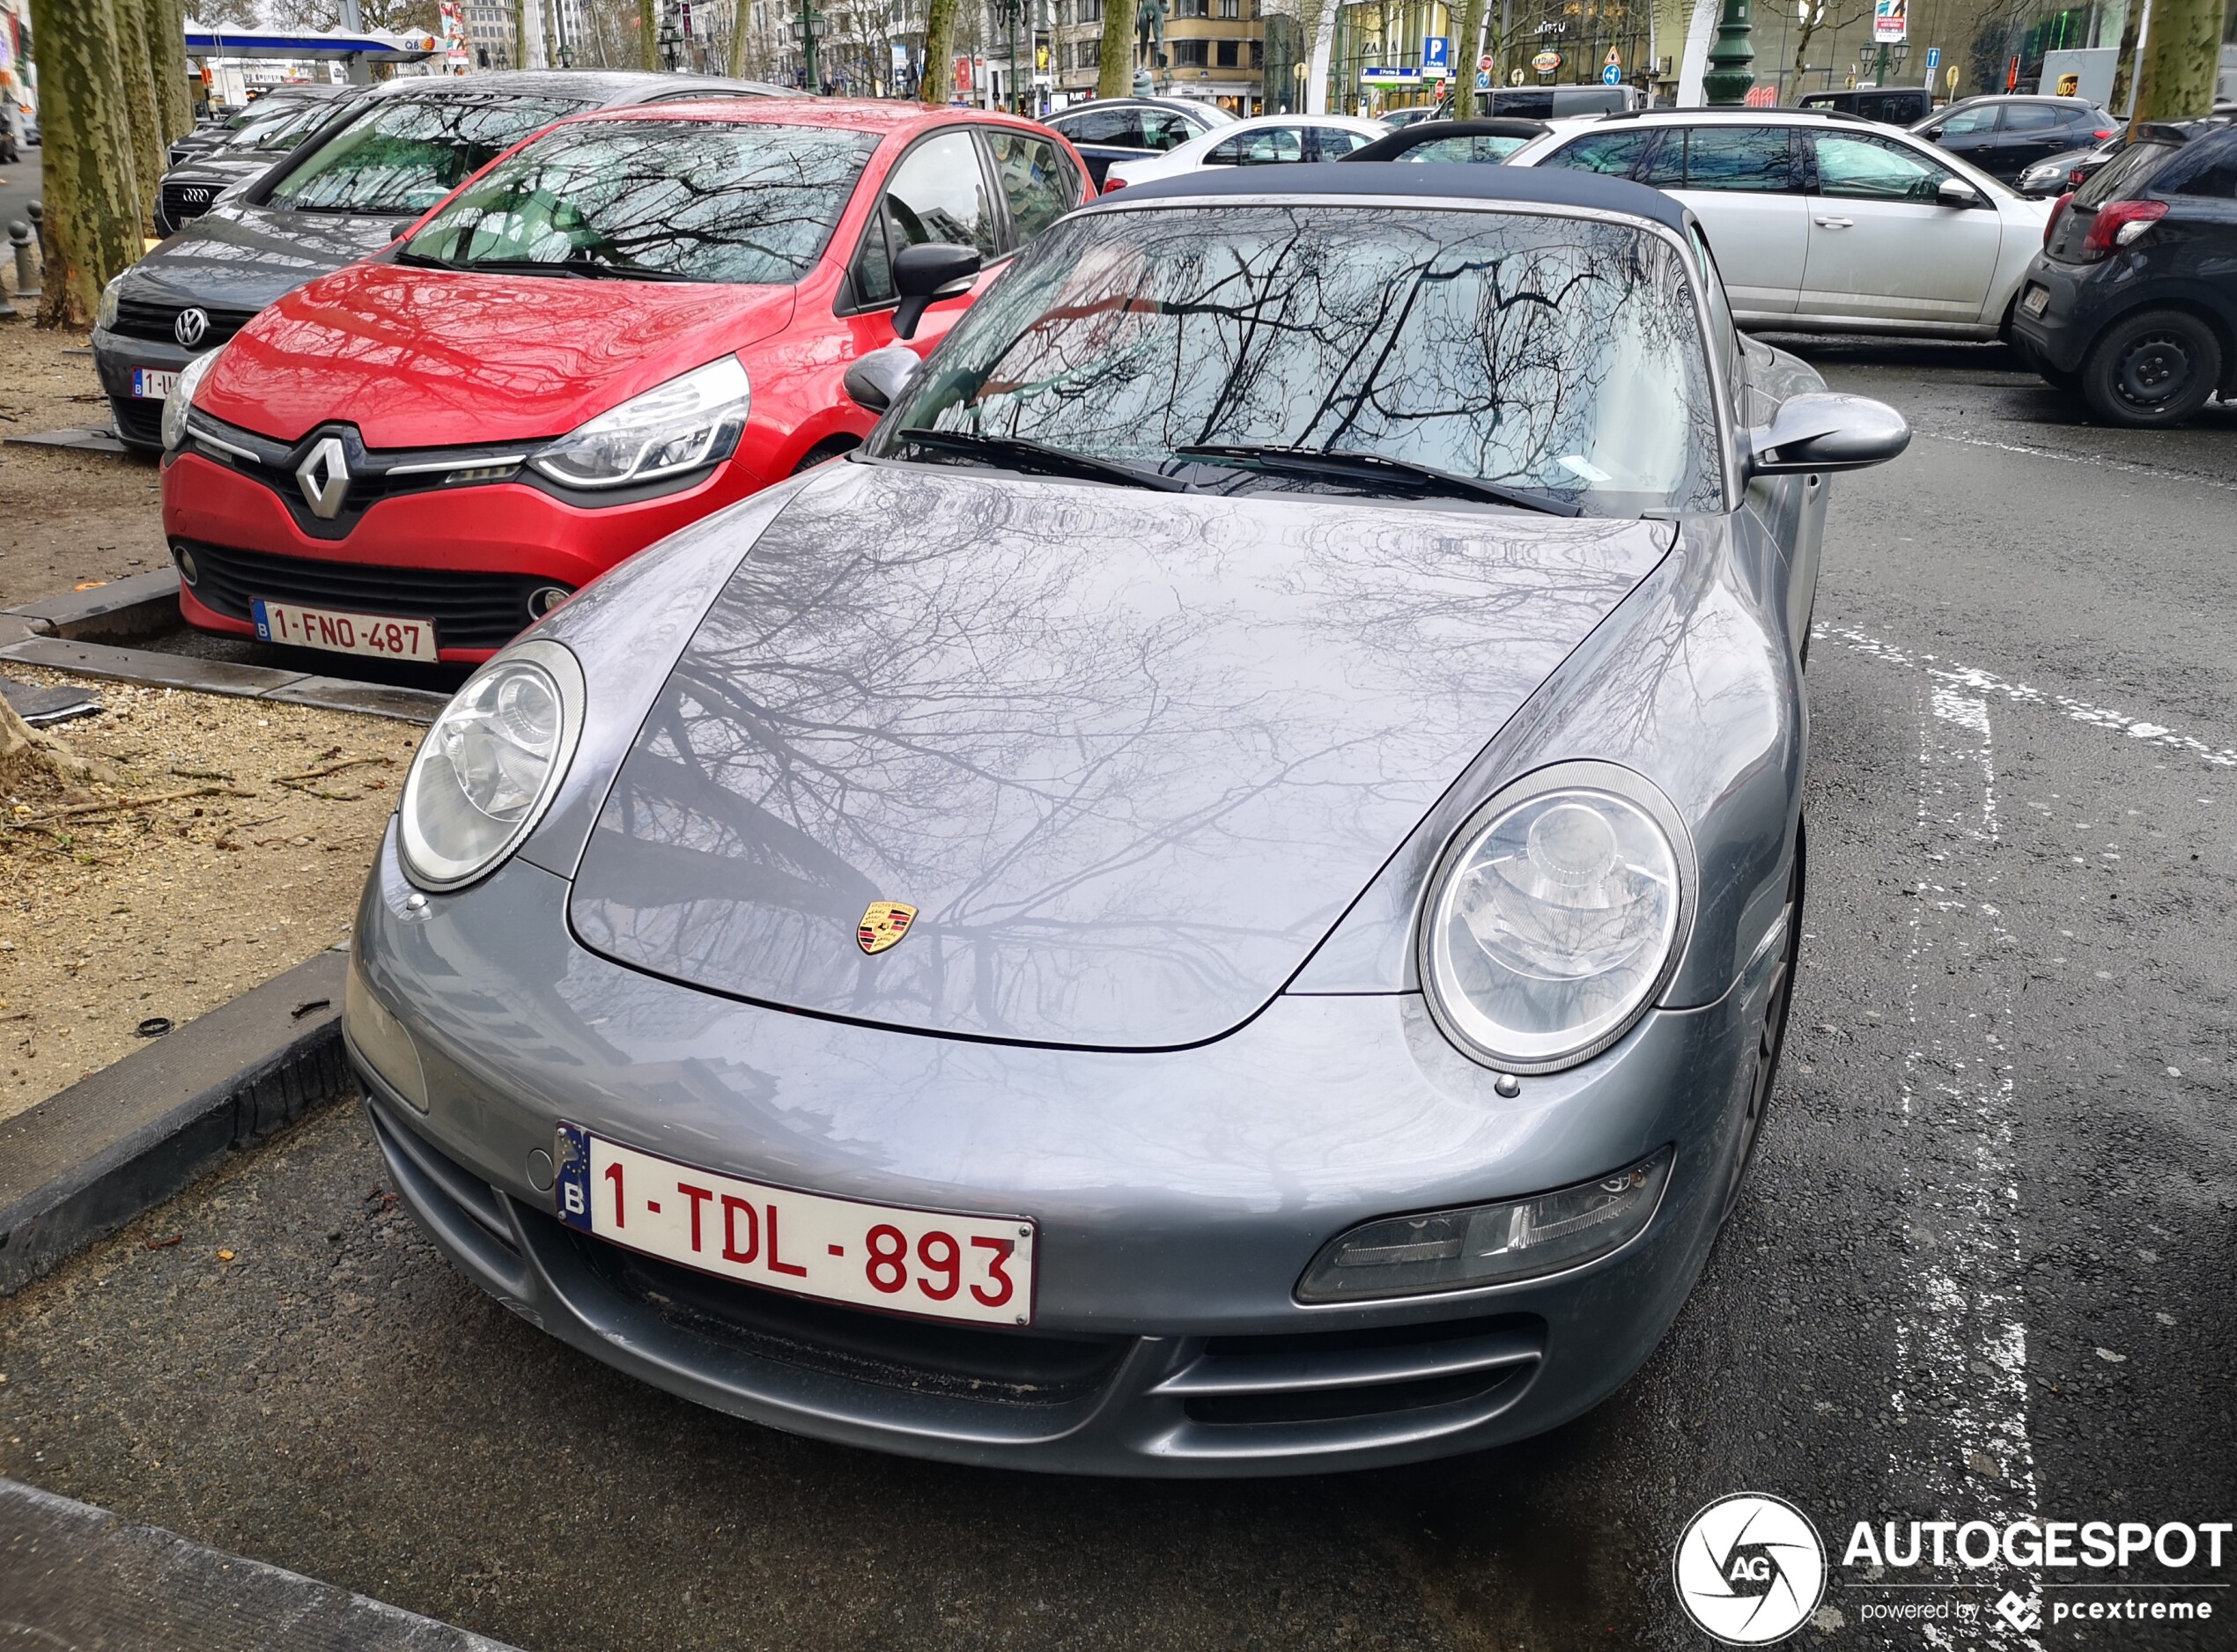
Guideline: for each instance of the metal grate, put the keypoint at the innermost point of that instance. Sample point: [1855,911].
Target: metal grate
[136,318]
[470,610]
[182,202]
[1348,1376]
[139,421]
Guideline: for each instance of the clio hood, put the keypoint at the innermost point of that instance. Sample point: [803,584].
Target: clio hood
[1129,755]
[420,357]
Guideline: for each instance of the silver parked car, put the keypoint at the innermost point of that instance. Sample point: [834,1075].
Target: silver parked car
[1825,222]
[1219,899]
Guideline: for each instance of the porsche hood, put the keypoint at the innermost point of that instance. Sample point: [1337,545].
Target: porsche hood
[1127,756]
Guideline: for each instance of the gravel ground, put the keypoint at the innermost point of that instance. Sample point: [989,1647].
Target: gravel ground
[214,865]
[65,518]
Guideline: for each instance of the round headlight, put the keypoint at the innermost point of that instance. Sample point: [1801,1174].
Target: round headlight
[180,401]
[1555,917]
[490,766]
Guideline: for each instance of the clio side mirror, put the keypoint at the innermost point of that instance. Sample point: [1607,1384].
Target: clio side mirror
[877,379]
[1827,431]
[937,270]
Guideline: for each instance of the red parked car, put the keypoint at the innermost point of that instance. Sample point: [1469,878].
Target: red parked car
[628,322]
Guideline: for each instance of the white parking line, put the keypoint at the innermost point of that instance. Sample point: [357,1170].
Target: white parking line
[1987,683]
[2155,472]
[1960,1395]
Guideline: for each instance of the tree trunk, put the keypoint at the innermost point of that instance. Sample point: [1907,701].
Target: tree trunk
[938,83]
[166,25]
[134,72]
[86,175]
[2122,100]
[1323,46]
[1115,68]
[739,23]
[2182,55]
[648,37]
[1464,68]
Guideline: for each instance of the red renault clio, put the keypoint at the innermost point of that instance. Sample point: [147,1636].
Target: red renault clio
[632,320]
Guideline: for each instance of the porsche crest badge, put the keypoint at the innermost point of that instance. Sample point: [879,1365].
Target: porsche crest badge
[883,924]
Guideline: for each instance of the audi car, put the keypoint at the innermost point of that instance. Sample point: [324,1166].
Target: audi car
[406,146]
[633,320]
[242,152]
[1219,898]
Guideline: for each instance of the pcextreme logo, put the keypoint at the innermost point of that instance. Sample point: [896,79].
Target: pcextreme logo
[1750,1569]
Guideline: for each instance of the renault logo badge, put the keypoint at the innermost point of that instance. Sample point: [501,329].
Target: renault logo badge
[191,326]
[324,477]
[883,924]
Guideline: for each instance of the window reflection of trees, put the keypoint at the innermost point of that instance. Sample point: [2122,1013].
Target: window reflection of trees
[404,155]
[748,203]
[1547,352]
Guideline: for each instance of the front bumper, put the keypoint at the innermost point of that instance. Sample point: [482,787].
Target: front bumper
[139,422]
[1179,1196]
[418,554]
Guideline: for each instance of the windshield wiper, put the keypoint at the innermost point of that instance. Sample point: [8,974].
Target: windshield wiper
[1017,453]
[1328,461]
[578,268]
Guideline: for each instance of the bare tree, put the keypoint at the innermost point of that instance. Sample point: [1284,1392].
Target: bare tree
[1115,61]
[134,75]
[88,172]
[1813,17]
[167,32]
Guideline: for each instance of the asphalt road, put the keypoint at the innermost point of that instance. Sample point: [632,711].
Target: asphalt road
[1984,1267]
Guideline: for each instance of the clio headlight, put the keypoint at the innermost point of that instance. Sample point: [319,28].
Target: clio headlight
[180,401]
[491,765]
[1555,917]
[688,422]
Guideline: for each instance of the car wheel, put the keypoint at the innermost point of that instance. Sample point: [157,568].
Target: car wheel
[2151,369]
[830,447]
[1772,1040]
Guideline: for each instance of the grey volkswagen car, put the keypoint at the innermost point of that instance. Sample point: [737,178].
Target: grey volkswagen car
[404,147]
[1219,899]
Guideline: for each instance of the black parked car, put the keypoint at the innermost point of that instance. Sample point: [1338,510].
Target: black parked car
[1112,129]
[2131,300]
[190,186]
[403,147]
[2004,135]
[212,132]
[1446,142]
[2064,173]
[1890,106]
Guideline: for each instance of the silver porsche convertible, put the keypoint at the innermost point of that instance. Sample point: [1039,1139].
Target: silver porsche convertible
[1220,898]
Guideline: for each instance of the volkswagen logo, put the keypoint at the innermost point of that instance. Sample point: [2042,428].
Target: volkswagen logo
[192,326]
[324,477]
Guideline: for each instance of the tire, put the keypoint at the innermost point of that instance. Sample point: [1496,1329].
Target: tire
[1771,1042]
[2151,369]
[830,447]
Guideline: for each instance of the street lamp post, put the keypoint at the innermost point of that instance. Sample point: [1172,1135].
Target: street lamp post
[1730,75]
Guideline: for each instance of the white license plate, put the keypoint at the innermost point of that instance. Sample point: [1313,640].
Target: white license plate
[922,1262]
[380,634]
[151,385]
[2037,301]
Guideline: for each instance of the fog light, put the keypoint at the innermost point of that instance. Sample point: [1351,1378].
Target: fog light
[1490,1244]
[188,570]
[380,1038]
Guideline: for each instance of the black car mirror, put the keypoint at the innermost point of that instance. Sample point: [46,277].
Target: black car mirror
[1827,431]
[935,269]
[1955,192]
[876,380]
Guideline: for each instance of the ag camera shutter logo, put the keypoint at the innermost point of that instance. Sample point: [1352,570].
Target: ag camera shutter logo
[1750,1569]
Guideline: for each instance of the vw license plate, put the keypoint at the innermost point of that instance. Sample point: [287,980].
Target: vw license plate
[149,385]
[2037,300]
[382,635]
[922,1262]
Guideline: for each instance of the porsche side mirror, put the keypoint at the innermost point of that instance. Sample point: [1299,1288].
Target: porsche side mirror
[876,379]
[1827,431]
[1955,192]
[936,269]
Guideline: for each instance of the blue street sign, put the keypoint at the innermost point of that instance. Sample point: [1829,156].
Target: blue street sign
[1483,81]
[1612,76]
[1436,52]
[1934,58]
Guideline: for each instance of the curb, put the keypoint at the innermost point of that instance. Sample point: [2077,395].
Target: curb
[81,1577]
[86,1162]
[140,606]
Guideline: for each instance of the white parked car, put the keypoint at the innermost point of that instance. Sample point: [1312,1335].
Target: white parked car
[1267,140]
[1823,222]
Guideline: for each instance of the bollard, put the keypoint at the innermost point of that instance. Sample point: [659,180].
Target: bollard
[26,279]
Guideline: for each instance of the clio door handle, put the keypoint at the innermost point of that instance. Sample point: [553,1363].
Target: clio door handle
[1835,224]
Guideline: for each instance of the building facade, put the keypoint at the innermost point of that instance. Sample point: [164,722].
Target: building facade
[1212,49]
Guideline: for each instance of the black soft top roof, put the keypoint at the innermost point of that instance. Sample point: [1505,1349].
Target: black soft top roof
[1523,186]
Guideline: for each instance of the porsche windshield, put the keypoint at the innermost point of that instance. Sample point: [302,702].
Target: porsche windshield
[683,200]
[404,154]
[1557,362]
